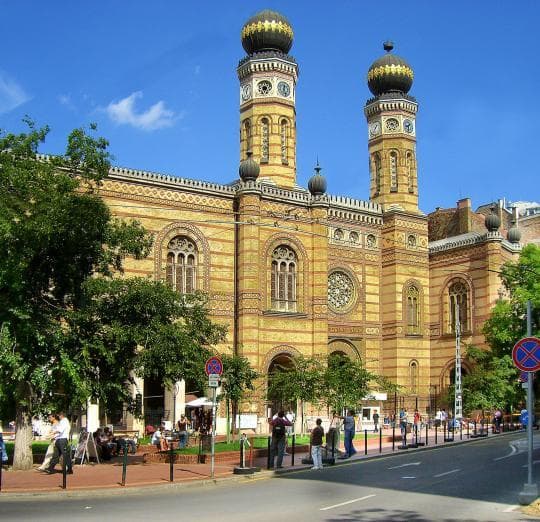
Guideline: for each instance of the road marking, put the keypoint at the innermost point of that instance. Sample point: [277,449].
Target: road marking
[408,477]
[447,473]
[405,465]
[512,452]
[345,503]
[534,462]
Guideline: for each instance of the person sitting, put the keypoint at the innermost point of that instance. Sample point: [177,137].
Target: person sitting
[159,441]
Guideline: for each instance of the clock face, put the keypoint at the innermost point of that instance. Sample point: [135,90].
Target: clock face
[408,126]
[246,92]
[375,128]
[284,89]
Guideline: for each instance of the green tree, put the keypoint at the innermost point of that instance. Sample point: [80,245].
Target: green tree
[346,382]
[492,383]
[239,377]
[507,323]
[55,232]
[301,382]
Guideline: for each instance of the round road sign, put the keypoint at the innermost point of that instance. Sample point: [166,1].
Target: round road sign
[526,354]
[213,366]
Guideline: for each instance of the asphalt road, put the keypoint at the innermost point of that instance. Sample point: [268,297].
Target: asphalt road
[477,481]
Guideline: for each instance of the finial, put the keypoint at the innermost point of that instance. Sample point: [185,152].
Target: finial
[317,168]
[249,153]
[388,46]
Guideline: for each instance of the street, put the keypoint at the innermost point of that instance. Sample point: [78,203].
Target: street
[477,481]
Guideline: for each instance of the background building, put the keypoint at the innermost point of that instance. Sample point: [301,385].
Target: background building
[295,271]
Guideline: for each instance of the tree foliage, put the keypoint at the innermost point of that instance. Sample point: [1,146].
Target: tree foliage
[70,332]
[493,382]
[507,323]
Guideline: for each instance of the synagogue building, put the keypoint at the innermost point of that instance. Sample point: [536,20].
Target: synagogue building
[294,270]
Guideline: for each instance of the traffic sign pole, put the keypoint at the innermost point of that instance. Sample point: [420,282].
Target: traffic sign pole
[530,490]
[213,368]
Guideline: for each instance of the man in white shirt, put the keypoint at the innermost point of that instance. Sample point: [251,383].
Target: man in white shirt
[60,435]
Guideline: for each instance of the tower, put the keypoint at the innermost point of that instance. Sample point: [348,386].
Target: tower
[268,78]
[404,286]
[392,133]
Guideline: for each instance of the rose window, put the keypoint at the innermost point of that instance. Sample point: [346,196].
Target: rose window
[340,290]
[392,125]
[264,87]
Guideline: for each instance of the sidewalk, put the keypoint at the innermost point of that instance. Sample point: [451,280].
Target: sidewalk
[108,476]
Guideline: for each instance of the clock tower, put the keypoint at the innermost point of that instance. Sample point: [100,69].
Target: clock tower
[391,118]
[268,77]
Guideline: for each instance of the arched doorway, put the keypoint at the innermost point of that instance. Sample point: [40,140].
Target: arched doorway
[282,362]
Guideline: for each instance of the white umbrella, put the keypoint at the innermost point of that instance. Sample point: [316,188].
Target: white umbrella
[201,401]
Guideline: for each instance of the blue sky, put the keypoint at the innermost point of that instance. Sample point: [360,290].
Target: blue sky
[159,78]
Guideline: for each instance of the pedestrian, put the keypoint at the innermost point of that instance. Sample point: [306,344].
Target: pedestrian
[438,418]
[444,418]
[349,430]
[53,421]
[375,421]
[417,419]
[183,435]
[317,434]
[3,452]
[61,432]
[403,421]
[277,445]
[332,437]
[497,417]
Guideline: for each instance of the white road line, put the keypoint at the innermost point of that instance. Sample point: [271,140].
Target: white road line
[447,473]
[512,452]
[405,465]
[345,503]
[408,477]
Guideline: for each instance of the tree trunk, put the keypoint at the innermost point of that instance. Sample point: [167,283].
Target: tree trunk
[22,458]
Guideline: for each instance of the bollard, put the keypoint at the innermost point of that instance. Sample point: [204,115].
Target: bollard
[293,448]
[1,469]
[268,461]
[124,466]
[380,440]
[427,433]
[416,434]
[436,441]
[242,457]
[393,438]
[460,430]
[171,462]
[444,432]
[333,447]
[365,442]
[64,469]
[468,430]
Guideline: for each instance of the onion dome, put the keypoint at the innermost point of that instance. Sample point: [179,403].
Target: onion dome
[317,182]
[249,169]
[267,31]
[514,234]
[492,221]
[389,73]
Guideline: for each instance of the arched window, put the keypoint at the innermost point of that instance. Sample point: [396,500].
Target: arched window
[458,306]
[283,137]
[378,171]
[265,136]
[413,310]
[410,171]
[181,273]
[393,171]
[284,274]
[413,376]
[247,136]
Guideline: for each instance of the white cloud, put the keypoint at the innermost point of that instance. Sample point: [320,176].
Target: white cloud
[11,94]
[155,117]
[65,99]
